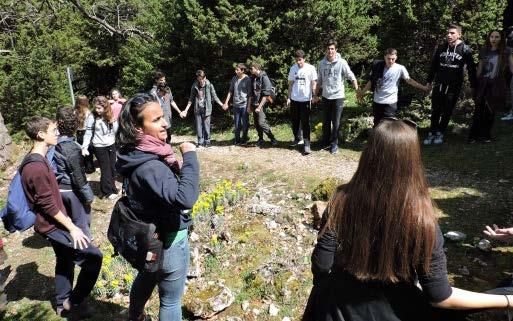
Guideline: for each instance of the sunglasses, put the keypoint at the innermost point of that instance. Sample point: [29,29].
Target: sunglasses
[408,122]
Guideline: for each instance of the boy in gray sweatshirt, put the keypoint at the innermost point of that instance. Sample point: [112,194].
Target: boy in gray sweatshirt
[333,70]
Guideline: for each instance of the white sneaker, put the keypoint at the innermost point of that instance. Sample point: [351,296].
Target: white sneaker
[439,139]
[429,139]
[508,116]
[112,196]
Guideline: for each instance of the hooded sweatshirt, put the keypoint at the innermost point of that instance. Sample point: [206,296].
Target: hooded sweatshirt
[448,64]
[331,76]
[156,192]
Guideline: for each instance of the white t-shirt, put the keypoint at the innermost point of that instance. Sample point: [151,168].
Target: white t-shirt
[302,78]
[387,85]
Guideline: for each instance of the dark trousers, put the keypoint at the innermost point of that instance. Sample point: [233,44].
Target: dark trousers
[240,120]
[300,118]
[89,159]
[331,114]
[443,102]
[482,120]
[79,213]
[202,127]
[261,125]
[107,159]
[381,111]
[89,260]
[168,131]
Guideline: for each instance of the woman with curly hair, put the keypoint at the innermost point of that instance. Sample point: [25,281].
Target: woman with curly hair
[101,129]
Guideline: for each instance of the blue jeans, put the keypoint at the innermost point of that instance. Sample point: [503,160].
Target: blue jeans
[171,283]
[240,117]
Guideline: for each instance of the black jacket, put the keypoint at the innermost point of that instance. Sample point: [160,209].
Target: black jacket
[448,64]
[262,87]
[155,190]
[70,167]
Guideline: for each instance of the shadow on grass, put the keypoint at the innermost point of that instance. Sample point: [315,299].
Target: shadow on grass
[35,241]
[29,286]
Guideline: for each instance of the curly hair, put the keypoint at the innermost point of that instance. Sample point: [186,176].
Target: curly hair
[67,121]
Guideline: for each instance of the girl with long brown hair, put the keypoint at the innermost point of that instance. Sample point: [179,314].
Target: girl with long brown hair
[101,129]
[380,238]
[494,60]
[82,112]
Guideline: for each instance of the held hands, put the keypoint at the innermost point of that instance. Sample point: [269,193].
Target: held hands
[80,240]
[187,147]
[225,106]
[85,152]
[501,234]
[359,96]
[183,114]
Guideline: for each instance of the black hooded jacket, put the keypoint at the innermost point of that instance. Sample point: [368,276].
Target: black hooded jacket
[156,192]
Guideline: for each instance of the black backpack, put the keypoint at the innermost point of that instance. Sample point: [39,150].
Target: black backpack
[135,239]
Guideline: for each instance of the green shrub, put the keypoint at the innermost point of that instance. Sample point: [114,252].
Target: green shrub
[324,191]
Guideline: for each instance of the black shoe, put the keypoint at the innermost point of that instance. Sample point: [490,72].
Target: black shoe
[75,311]
[334,149]
[274,142]
[260,143]
[207,145]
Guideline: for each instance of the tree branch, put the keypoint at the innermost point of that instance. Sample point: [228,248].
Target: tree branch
[120,31]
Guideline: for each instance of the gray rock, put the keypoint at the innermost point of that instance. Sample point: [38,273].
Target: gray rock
[273,310]
[207,300]
[5,143]
[265,208]
[455,236]
[484,245]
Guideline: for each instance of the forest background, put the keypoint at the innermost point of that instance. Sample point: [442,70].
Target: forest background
[119,43]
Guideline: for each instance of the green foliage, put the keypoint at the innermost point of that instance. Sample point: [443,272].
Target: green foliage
[325,190]
[178,37]
[116,275]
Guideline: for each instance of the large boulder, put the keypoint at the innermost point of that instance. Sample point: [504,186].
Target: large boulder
[5,143]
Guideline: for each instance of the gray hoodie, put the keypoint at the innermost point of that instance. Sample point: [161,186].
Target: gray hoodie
[332,76]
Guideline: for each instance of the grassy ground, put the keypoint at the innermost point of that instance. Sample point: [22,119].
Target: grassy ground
[472,185]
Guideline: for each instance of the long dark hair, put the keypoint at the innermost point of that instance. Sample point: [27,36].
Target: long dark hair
[130,119]
[107,115]
[501,49]
[384,218]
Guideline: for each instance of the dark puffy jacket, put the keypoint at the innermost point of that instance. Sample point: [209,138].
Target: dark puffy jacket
[70,172]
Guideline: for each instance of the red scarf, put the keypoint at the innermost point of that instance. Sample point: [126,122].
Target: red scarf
[154,145]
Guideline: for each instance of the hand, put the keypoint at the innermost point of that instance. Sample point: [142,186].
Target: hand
[85,152]
[359,96]
[315,100]
[501,234]
[426,89]
[80,240]
[183,114]
[258,109]
[288,102]
[225,106]
[187,147]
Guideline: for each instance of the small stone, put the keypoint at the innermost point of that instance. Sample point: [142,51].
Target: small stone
[285,319]
[455,236]
[255,311]
[271,225]
[245,305]
[308,197]
[484,245]
[282,234]
[273,310]
[463,270]
[194,237]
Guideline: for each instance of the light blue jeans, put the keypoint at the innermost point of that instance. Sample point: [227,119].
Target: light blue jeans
[171,283]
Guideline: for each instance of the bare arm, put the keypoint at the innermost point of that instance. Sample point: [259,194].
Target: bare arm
[464,300]
[175,106]
[80,240]
[413,83]
[291,82]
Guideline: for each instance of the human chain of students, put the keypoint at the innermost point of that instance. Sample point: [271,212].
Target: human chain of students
[131,138]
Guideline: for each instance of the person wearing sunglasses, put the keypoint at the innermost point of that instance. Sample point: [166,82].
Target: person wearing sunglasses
[380,251]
